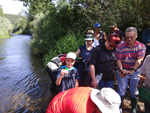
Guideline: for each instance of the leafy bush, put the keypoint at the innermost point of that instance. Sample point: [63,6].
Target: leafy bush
[20,25]
[55,25]
[1,12]
[68,43]
[78,16]
[5,26]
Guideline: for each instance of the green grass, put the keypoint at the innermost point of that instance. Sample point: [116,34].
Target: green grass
[68,43]
[4,36]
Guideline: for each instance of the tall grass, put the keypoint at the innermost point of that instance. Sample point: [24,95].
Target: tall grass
[68,43]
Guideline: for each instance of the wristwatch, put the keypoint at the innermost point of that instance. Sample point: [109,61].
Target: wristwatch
[132,68]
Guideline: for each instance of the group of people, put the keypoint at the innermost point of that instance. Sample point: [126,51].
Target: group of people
[116,56]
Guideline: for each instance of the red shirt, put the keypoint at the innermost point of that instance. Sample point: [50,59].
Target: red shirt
[75,100]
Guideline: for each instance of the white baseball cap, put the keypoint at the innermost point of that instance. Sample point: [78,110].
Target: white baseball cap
[106,99]
[71,55]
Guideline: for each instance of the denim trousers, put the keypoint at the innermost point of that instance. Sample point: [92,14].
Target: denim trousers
[133,81]
[106,84]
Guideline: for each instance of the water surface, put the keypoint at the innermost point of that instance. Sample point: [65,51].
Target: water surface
[24,82]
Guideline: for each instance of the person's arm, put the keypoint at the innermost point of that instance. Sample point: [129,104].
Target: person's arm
[59,78]
[136,65]
[122,72]
[78,52]
[93,61]
[77,83]
[105,36]
[92,74]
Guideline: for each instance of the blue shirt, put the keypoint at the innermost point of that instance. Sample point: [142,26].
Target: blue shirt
[68,81]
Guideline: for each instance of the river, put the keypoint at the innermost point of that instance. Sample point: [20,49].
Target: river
[24,82]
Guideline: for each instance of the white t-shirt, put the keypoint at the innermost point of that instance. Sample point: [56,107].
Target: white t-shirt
[95,43]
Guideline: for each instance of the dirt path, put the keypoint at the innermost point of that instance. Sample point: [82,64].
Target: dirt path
[127,105]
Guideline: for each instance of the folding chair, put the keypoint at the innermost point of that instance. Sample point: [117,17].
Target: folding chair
[143,92]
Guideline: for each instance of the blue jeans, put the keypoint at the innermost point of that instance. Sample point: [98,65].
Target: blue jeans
[123,84]
[106,84]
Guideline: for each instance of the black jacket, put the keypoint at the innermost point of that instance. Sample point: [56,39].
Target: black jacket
[104,61]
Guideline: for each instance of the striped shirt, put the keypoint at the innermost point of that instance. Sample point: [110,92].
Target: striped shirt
[128,55]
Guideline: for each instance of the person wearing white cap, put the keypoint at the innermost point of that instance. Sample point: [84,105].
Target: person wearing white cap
[85,100]
[68,75]
[85,51]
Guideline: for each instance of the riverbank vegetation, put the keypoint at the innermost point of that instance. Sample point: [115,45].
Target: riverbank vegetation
[51,23]
[5,27]
[12,24]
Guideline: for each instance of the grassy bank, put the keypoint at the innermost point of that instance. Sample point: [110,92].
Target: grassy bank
[4,36]
[68,43]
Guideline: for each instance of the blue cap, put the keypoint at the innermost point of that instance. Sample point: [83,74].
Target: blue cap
[97,25]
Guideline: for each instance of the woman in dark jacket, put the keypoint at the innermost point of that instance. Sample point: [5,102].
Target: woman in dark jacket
[103,62]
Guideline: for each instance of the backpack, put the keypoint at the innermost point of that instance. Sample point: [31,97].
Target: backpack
[53,67]
[101,37]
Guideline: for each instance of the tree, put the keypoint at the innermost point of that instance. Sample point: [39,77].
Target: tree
[1,12]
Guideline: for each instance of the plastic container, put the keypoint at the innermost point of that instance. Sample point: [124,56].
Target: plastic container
[98,77]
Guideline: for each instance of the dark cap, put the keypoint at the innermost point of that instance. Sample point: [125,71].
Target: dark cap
[113,24]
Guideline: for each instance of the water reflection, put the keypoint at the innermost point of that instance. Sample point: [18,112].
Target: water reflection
[24,83]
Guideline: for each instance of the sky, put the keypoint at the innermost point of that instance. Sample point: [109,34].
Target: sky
[12,6]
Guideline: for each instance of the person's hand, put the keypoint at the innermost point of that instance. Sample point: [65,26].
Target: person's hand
[125,72]
[131,71]
[122,75]
[63,72]
[94,83]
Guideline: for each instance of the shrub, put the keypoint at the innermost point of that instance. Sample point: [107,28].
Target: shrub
[1,12]
[20,25]
[5,26]
[68,43]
